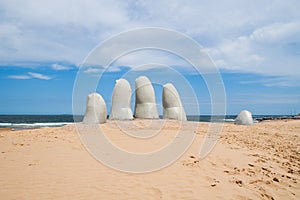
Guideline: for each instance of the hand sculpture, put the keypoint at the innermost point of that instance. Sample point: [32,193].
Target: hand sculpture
[244,118]
[145,106]
[95,110]
[121,101]
[173,108]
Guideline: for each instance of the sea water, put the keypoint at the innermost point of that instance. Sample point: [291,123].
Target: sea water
[35,121]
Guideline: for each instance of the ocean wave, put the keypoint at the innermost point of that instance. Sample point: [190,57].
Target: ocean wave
[33,125]
[5,124]
[229,120]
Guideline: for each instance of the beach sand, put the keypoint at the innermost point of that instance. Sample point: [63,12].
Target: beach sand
[261,161]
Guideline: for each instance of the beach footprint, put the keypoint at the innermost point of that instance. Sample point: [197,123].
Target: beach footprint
[193,161]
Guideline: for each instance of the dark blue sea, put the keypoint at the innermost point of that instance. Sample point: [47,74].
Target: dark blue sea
[36,121]
[43,121]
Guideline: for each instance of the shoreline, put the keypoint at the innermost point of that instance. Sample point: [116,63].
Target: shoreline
[294,117]
[31,125]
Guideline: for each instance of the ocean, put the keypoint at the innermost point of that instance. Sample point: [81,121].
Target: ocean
[35,121]
[43,121]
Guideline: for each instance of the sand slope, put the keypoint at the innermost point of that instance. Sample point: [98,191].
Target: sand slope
[249,162]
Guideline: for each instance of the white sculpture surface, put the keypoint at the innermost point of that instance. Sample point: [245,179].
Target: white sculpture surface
[121,101]
[244,118]
[145,106]
[96,112]
[172,105]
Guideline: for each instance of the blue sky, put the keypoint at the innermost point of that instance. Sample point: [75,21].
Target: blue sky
[254,44]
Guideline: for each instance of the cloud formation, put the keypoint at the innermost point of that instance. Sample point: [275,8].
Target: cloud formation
[246,36]
[60,67]
[270,50]
[22,77]
[39,76]
[30,76]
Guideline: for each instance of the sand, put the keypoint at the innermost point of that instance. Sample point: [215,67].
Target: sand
[261,161]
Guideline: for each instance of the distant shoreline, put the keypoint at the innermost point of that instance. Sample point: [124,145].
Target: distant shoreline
[50,121]
[279,118]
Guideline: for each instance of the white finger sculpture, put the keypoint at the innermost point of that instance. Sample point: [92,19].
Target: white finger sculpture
[244,118]
[145,106]
[172,105]
[121,101]
[95,110]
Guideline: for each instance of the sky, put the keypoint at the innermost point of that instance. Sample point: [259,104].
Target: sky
[254,44]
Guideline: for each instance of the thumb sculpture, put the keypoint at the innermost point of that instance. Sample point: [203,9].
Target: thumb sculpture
[145,106]
[172,105]
[95,110]
[121,101]
[244,118]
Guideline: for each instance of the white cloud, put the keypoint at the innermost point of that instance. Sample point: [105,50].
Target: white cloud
[56,30]
[270,50]
[60,67]
[93,70]
[100,69]
[39,76]
[146,56]
[30,76]
[114,69]
[248,36]
[88,14]
[277,33]
[22,77]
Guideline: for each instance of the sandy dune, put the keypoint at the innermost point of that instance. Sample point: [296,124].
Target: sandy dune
[249,162]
